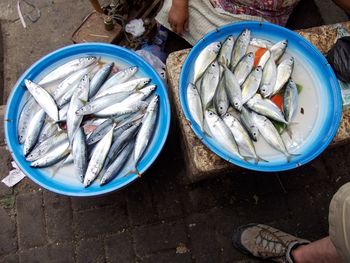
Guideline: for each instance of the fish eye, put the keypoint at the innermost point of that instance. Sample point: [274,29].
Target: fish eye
[236,104]
[210,113]
[221,108]
[263,90]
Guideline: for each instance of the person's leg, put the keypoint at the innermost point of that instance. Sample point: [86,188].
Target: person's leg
[339,222]
[319,251]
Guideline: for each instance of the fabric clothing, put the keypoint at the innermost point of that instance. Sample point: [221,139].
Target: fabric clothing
[203,18]
[339,222]
[274,11]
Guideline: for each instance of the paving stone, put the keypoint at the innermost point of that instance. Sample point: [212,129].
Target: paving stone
[5,167]
[58,210]
[12,258]
[167,195]
[8,243]
[140,204]
[168,257]
[5,190]
[90,250]
[119,248]
[100,221]
[226,221]
[203,196]
[308,174]
[152,238]
[99,201]
[337,164]
[303,213]
[201,229]
[261,208]
[26,186]
[30,220]
[2,113]
[55,253]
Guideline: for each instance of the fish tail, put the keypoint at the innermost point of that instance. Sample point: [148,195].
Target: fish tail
[290,155]
[133,171]
[261,159]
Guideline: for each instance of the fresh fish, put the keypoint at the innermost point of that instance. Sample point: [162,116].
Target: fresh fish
[44,147]
[269,76]
[284,71]
[117,164]
[278,49]
[264,58]
[225,53]
[79,98]
[120,141]
[130,85]
[233,90]
[67,69]
[129,105]
[240,48]
[258,42]
[195,104]
[204,59]
[99,78]
[79,153]
[62,113]
[52,157]
[100,132]
[251,84]
[28,111]
[241,136]
[43,98]
[270,134]
[98,158]
[69,84]
[244,67]
[146,131]
[118,78]
[266,107]
[221,101]
[209,84]
[103,102]
[221,133]
[49,129]
[246,119]
[290,100]
[33,132]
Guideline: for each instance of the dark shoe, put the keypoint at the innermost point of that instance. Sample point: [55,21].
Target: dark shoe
[266,242]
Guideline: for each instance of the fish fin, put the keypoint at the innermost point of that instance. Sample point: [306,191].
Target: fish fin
[133,171]
[259,159]
[206,130]
[63,162]
[288,130]
[290,155]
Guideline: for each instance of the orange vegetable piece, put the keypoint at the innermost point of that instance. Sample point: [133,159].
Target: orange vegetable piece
[258,55]
[278,100]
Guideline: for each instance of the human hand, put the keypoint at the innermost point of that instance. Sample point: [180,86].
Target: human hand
[178,16]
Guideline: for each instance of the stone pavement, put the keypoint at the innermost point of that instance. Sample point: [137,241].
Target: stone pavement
[158,218]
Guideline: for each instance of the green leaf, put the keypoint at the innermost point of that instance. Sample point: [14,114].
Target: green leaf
[299,88]
[280,126]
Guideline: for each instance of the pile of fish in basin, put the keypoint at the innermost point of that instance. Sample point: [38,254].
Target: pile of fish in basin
[90,112]
[244,96]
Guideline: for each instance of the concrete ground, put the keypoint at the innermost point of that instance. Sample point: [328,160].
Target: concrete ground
[158,218]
